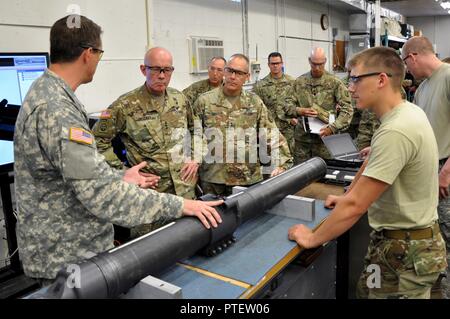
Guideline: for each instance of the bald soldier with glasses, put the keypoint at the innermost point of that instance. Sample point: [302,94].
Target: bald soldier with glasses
[145,119]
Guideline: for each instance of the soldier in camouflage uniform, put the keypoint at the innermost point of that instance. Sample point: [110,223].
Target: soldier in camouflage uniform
[151,120]
[214,80]
[67,195]
[318,93]
[273,90]
[231,107]
[367,127]
[407,252]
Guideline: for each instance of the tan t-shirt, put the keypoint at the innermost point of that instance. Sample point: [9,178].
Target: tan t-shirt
[433,96]
[405,156]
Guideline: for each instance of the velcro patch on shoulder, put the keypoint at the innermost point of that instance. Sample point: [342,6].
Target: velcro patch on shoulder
[80,136]
[106,114]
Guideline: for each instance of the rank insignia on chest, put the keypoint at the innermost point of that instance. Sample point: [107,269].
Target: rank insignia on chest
[80,136]
[106,114]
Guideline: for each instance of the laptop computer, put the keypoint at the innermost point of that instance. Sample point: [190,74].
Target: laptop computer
[342,147]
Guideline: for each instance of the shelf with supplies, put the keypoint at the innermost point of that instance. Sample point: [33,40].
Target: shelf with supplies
[386,38]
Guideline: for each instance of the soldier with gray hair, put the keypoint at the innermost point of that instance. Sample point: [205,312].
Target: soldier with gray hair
[227,112]
[67,195]
[214,80]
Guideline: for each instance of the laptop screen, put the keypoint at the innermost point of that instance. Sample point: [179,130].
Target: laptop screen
[340,144]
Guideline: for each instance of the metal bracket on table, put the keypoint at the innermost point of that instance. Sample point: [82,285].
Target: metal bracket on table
[153,288]
[291,206]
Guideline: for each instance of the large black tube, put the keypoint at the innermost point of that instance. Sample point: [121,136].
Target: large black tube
[114,272]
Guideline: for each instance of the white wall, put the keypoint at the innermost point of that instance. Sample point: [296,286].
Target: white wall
[175,20]
[436,29]
[25,26]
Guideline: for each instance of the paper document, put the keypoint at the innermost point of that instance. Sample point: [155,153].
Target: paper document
[314,125]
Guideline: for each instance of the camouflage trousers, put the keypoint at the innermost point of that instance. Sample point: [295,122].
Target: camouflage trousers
[308,146]
[444,224]
[401,268]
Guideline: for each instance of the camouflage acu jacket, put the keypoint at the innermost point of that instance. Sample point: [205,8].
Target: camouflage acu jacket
[150,132]
[273,92]
[67,195]
[327,92]
[224,121]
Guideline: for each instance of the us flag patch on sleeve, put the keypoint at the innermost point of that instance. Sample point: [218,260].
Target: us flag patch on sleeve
[106,114]
[80,136]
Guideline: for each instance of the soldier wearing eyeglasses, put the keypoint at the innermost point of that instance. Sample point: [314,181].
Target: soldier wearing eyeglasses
[229,113]
[314,94]
[433,96]
[273,90]
[67,195]
[214,80]
[397,185]
[148,120]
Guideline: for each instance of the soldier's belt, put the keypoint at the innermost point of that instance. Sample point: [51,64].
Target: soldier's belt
[412,234]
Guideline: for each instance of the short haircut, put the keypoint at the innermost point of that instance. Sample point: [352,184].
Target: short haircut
[381,59]
[241,56]
[66,39]
[446,60]
[419,45]
[217,58]
[274,55]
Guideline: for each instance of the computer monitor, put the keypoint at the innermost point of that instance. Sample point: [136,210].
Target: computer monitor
[17,72]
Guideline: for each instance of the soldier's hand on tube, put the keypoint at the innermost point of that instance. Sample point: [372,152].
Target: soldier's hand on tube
[364,152]
[277,171]
[189,171]
[302,235]
[306,111]
[294,121]
[134,176]
[203,211]
[331,201]
[444,182]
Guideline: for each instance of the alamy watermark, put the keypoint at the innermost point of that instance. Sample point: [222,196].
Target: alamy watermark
[374,279]
[74,18]
[74,276]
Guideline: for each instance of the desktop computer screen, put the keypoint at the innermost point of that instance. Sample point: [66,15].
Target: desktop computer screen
[17,73]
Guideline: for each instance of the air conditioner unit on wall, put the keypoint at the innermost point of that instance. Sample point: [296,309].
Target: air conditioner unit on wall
[201,50]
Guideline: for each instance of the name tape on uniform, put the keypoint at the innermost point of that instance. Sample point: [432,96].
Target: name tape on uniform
[80,136]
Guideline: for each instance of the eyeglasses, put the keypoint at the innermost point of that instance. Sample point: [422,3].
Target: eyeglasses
[88,46]
[317,64]
[408,56]
[157,69]
[237,72]
[214,69]
[356,78]
[275,63]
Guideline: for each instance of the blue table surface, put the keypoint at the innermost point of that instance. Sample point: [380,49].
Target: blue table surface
[261,243]
[6,152]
